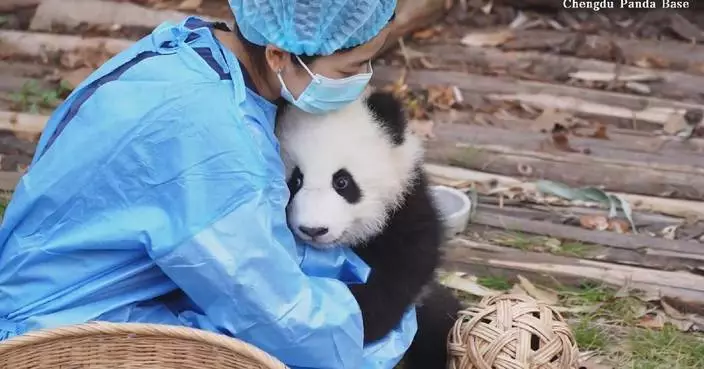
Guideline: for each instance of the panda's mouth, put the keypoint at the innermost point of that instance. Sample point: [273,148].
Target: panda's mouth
[322,242]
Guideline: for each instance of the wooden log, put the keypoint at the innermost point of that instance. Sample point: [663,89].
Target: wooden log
[74,13]
[674,207]
[586,250]
[651,53]
[544,95]
[22,122]
[522,209]
[628,139]
[634,242]
[555,67]
[529,155]
[37,44]
[473,257]
[541,212]
[525,135]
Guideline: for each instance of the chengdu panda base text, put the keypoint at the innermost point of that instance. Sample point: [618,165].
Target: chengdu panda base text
[356,179]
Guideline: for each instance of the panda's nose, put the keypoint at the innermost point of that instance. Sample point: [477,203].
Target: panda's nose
[313,231]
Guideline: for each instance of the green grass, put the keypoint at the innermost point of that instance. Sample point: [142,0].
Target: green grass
[620,311]
[536,243]
[32,98]
[3,205]
[573,248]
[587,293]
[633,347]
[667,348]
[495,283]
[590,336]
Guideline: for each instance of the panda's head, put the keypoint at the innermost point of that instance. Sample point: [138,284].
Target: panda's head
[347,170]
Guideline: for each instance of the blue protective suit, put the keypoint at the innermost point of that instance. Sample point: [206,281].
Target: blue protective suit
[160,173]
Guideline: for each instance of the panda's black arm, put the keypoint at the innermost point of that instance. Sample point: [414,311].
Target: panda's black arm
[382,306]
[393,285]
[403,259]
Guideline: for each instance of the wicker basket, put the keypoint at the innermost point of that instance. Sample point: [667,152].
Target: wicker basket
[100,345]
[511,331]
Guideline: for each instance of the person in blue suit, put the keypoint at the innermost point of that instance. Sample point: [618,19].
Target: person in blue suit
[157,194]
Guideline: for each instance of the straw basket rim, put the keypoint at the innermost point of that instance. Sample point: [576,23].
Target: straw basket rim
[142,329]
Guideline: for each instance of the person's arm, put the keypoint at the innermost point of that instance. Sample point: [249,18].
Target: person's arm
[219,231]
[240,272]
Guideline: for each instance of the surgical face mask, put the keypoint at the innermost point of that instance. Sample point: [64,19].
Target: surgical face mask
[325,94]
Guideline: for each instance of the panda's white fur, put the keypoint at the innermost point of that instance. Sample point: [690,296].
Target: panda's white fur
[321,146]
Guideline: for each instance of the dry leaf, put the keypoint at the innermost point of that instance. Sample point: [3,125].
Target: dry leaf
[422,128]
[640,88]
[682,325]
[600,132]
[675,124]
[442,97]
[619,226]
[458,282]
[594,222]
[548,297]
[517,290]
[560,140]
[659,319]
[650,295]
[670,232]
[190,4]
[424,34]
[490,39]
[652,62]
[671,311]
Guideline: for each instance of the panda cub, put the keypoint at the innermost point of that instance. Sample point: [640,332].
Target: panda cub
[355,178]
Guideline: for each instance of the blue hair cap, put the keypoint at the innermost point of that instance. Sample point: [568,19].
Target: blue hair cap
[311,27]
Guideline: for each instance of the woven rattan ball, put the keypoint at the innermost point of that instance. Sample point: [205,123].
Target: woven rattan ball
[511,331]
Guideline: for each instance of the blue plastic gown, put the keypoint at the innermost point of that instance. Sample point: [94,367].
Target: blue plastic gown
[161,173]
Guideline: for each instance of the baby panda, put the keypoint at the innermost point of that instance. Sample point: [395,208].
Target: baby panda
[355,179]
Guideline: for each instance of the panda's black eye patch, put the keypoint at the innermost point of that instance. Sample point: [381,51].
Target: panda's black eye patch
[295,182]
[345,185]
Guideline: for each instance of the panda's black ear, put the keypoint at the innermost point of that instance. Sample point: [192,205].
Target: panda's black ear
[389,113]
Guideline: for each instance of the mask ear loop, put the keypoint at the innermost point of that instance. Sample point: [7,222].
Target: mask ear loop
[281,79]
[284,88]
[310,73]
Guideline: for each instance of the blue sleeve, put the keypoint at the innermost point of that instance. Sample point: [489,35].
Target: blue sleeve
[240,273]
[216,196]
